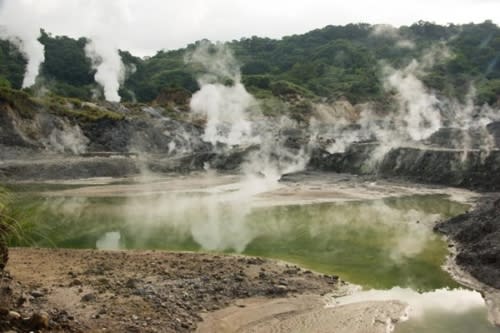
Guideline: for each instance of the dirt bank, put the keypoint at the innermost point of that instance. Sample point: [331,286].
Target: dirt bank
[139,291]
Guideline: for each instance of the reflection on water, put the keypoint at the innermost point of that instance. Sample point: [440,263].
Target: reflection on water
[474,320]
[109,241]
[379,243]
[437,311]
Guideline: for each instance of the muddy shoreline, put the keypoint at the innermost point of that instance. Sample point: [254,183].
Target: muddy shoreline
[474,239]
[490,294]
[477,235]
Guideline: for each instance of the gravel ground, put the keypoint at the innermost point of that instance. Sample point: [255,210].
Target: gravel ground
[138,291]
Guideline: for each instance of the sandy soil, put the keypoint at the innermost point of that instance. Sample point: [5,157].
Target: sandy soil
[318,187]
[141,291]
[304,314]
[300,188]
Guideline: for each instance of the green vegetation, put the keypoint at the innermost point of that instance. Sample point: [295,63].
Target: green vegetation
[12,65]
[65,60]
[20,100]
[4,229]
[66,69]
[10,228]
[4,83]
[164,70]
[72,108]
[332,62]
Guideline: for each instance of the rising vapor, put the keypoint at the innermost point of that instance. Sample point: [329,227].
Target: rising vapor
[102,20]
[107,19]
[24,34]
[110,71]
[224,106]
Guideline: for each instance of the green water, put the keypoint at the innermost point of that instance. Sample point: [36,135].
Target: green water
[377,244]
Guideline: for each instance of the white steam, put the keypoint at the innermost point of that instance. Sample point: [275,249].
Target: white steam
[34,51]
[225,111]
[108,18]
[392,34]
[417,119]
[23,33]
[418,115]
[471,121]
[68,139]
[418,112]
[21,20]
[233,117]
[225,107]
[217,61]
[108,63]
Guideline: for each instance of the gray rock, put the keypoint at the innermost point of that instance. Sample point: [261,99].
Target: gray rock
[88,298]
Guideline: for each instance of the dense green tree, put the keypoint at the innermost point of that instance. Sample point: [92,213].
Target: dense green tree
[4,83]
[12,64]
[332,62]
[65,60]
[488,91]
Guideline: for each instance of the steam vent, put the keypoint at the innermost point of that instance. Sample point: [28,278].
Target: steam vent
[239,166]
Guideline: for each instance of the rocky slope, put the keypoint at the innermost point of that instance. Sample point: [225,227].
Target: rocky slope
[64,138]
[477,234]
[474,169]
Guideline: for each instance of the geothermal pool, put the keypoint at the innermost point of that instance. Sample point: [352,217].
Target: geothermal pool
[378,236]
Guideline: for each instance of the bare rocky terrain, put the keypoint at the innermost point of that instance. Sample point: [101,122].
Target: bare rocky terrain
[60,290]
[477,235]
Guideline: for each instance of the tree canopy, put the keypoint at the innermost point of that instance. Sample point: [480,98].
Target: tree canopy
[332,62]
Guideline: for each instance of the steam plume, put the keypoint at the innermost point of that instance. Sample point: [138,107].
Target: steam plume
[68,139]
[23,33]
[234,117]
[392,34]
[225,107]
[418,109]
[110,69]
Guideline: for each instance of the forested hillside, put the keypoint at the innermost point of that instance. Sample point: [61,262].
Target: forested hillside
[332,62]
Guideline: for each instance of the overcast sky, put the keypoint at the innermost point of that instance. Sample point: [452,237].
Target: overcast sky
[145,26]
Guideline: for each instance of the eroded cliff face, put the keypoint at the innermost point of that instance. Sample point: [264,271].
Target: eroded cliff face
[123,133]
[42,145]
[441,160]
[40,141]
